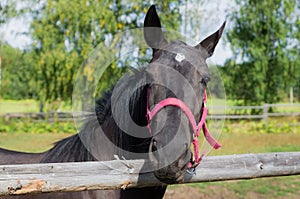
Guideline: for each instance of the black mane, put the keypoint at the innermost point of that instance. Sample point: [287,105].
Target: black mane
[72,149]
[117,124]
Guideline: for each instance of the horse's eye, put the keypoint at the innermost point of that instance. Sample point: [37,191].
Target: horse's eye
[186,145]
[204,82]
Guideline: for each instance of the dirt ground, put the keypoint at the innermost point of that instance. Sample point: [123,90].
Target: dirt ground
[193,192]
[213,192]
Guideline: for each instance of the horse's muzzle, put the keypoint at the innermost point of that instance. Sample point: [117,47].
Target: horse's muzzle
[174,172]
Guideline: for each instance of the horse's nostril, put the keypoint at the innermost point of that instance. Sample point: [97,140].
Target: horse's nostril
[186,146]
[154,145]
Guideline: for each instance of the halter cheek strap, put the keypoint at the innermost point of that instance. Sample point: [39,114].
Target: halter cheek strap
[196,127]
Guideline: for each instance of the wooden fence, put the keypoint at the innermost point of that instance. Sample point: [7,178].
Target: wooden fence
[278,110]
[244,113]
[121,174]
[51,116]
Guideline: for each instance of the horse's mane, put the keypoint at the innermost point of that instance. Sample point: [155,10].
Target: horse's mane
[72,149]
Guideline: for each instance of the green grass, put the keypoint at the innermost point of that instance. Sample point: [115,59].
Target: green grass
[26,106]
[257,143]
[279,187]
[36,127]
[276,187]
[13,106]
[275,125]
[215,102]
[238,137]
[29,142]
[253,137]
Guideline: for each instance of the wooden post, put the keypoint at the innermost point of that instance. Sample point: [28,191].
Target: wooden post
[265,113]
[291,95]
[123,174]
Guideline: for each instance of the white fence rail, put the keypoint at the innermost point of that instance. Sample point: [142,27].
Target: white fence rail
[118,174]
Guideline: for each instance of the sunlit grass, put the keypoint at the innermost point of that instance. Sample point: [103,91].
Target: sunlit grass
[263,188]
[275,187]
[259,143]
[29,142]
[238,137]
[26,106]
[20,106]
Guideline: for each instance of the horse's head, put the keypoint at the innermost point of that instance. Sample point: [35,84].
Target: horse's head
[176,71]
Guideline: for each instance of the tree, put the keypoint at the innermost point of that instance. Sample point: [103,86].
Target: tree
[66,32]
[16,75]
[263,39]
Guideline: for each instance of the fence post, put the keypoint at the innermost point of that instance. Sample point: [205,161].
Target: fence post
[291,95]
[265,113]
[7,117]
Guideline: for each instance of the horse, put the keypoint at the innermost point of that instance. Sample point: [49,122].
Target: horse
[176,71]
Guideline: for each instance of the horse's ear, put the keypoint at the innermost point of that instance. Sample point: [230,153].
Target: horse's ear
[153,34]
[210,43]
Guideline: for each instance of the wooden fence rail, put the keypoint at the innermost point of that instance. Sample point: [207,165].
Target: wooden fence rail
[51,116]
[289,110]
[120,174]
[285,110]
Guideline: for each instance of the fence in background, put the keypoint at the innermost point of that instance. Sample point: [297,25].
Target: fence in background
[233,113]
[52,116]
[264,112]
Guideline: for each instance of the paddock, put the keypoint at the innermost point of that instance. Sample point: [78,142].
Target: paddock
[124,174]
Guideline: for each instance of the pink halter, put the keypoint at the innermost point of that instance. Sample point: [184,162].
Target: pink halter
[196,128]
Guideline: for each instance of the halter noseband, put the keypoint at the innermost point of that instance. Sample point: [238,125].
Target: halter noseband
[196,127]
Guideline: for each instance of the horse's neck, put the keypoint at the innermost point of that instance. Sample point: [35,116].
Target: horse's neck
[139,145]
[101,139]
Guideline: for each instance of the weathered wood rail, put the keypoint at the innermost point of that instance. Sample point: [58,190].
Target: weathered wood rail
[120,174]
[51,116]
[291,110]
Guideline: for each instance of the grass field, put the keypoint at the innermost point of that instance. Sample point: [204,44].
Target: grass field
[233,143]
[25,106]
[29,142]
[237,137]
[264,188]
[279,187]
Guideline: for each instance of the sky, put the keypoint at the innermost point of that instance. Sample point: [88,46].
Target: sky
[213,14]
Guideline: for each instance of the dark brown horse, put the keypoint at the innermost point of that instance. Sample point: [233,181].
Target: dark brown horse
[175,71]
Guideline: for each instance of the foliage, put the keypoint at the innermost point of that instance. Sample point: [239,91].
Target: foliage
[65,32]
[7,10]
[266,41]
[16,74]
[274,126]
[30,126]
[63,35]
